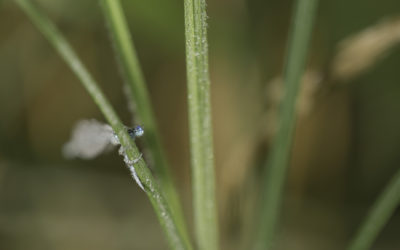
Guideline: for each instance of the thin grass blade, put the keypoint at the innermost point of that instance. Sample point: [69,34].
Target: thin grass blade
[139,97]
[379,215]
[56,39]
[274,179]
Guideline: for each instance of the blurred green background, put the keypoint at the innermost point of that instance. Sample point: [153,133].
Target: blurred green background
[347,143]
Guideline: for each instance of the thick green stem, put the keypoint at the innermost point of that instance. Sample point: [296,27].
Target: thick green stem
[201,139]
[139,97]
[274,178]
[175,239]
[379,215]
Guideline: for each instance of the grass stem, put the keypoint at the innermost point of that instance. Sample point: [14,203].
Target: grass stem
[274,179]
[132,73]
[56,39]
[201,139]
[379,215]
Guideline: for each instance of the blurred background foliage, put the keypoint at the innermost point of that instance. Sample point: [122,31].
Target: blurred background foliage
[346,147]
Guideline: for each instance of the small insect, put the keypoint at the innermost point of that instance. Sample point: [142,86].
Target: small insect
[91,138]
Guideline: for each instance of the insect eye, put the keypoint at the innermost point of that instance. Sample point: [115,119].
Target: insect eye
[135,132]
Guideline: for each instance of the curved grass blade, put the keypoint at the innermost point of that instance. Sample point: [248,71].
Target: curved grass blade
[167,221]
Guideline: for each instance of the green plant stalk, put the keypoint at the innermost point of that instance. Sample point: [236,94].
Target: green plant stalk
[124,48]
[378,216]
[274,179]
[167,221]
[201,139]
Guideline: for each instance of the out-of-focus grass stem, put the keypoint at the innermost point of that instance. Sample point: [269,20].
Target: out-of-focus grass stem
[272,193]
[379,215]
[132,73]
